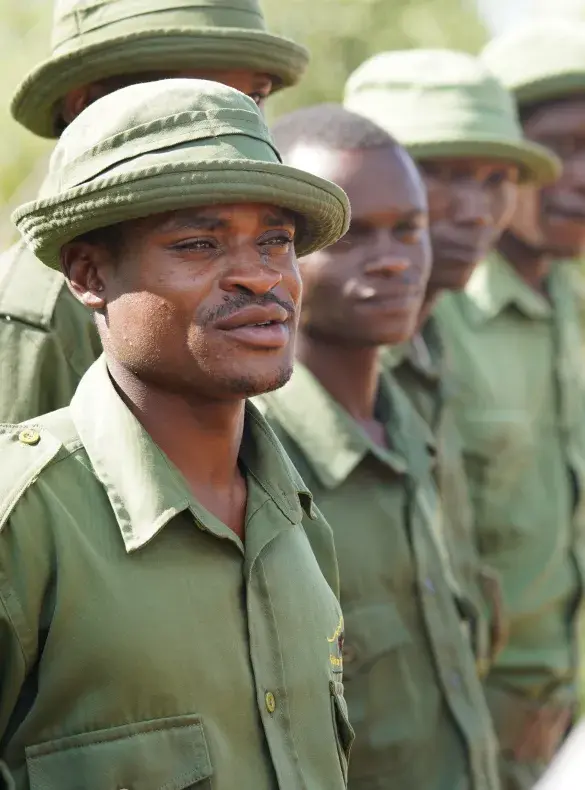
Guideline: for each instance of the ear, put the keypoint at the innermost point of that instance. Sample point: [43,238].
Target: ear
[85,266]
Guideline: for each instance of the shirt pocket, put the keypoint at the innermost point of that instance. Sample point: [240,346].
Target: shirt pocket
[371,632]
[161,754]
[344,733]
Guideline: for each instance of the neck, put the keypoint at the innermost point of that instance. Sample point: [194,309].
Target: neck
[349,374]
[201,437]
[431,298]
[530,264]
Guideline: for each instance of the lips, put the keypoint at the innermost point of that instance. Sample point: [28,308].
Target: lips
[260,326]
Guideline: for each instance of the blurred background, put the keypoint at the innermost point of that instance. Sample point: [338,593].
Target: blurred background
[339,33]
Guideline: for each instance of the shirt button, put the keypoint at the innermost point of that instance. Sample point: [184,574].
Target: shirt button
[270,701]
[29,436]
[456,680]
[429,586]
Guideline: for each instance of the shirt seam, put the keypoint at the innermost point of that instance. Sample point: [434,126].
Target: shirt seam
[6,594]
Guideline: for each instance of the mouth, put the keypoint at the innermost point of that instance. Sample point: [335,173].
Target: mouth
[259,326]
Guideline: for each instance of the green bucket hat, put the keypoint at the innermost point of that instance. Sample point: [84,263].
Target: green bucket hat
[161,146]
[95,39]
[539,61]
[439,103]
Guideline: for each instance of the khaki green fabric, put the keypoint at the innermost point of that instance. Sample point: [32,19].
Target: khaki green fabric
[414,699]
[541,60]
[47,338]
[520,409]
[439,103]
[167,145]
[421,368]
[172,655]
[105,38]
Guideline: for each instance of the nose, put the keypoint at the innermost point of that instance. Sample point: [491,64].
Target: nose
[251,275]
[386,258]
[471,205]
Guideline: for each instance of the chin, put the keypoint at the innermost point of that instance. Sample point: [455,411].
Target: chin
[566,242]
[248,385]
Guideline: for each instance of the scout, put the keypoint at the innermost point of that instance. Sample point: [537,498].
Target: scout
[460,125]
[413,695]
[517,351]
[163,620]
[47,341]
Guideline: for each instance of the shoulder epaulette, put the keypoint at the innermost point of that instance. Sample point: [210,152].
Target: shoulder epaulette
[29,290]
[25,450]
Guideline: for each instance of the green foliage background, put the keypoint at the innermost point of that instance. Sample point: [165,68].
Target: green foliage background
[339,33]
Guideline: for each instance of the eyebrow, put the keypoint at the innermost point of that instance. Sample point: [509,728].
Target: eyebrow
[188,222]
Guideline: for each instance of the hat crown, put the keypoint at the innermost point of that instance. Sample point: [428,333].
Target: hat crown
[149,120]
[430,93]
[537,53]
[82,22]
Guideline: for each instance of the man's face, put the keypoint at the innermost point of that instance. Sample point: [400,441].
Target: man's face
[203,300]
[554,220]
[367,289]
[471,202]
[256,85]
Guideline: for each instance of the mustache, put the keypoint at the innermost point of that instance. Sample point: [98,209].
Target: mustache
[234,303]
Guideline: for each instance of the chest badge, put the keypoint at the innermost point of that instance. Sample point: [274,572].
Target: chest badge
[336,648]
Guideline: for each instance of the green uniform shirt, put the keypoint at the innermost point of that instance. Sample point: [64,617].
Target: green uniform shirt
[520,408]
[421,368]
[47,339]
[141,644]
[412,692]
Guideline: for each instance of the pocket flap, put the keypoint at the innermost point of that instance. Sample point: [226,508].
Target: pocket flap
[371,631]
[162,754]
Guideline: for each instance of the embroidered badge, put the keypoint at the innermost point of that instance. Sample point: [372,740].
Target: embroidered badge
[336,648]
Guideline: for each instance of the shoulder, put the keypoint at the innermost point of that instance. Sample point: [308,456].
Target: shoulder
[29,290]
[27,451]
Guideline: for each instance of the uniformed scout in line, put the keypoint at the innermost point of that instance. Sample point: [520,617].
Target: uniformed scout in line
[516,347]
[47,341]
[520,402]
[163,619]
[460,125]
[415,701]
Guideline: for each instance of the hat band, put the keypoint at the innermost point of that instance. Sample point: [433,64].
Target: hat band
[87,23]
[421,115]
[181,129]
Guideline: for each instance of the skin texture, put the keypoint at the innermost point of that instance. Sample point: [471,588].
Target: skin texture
[550,223]
[161,298]
[255,85]
[365,291]
[471,201]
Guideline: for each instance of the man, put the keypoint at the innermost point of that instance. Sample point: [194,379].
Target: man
[47,341]
[461,127]
[163,620]
[414,699]
[516,345]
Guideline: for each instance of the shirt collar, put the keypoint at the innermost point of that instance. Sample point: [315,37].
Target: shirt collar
[329,438]
[494,286]
[145,490]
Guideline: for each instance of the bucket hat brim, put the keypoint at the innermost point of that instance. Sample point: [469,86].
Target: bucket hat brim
[549,88]
[537,164]
[323,207]
[34,103]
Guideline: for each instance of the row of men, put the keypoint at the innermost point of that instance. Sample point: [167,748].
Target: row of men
[169,587]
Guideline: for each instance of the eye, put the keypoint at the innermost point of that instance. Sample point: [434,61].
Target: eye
[410,230]
[280,240]
[496,178]
[195,245]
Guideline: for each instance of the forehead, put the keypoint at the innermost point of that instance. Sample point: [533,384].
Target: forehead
[466,165]
[226,216]
[551,119]
[375,179]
